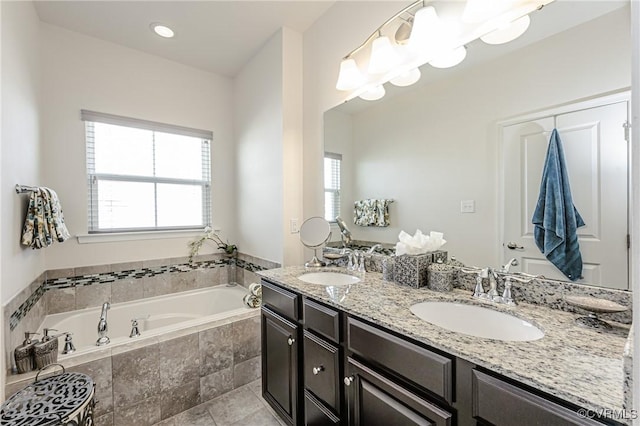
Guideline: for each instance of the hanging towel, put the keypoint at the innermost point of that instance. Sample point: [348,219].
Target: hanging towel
[44,222]
[555,218]
[371,212]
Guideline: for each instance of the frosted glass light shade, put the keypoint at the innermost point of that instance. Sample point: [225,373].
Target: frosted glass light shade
[450,59]
[350,76]
[383,57]
[426,27]
[476,11]
[511,32]
[373,94]
[406,78]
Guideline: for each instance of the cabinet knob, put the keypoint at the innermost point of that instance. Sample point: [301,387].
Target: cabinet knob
[291,341]
[317,370]
[348,380]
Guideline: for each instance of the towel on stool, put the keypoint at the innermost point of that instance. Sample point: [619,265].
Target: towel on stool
[555,218]
[371,212]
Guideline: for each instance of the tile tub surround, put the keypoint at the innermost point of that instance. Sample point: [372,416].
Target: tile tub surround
[146,382]
[566,363]
[64,290]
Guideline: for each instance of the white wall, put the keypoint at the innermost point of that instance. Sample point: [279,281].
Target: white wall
[258,117]
[20,141]
[86,73]
[268,128]
[432,147]
[292,144]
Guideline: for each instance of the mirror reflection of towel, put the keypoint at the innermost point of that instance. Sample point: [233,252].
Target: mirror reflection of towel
[556,219]
[371,212]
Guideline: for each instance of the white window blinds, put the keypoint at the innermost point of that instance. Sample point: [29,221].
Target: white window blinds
[143,175]
[332,164]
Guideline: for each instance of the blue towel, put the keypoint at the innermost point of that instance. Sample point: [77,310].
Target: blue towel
[555,218]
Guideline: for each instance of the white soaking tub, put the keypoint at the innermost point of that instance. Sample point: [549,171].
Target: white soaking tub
[158,315]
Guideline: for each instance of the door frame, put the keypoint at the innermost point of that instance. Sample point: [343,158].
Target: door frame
[623,95]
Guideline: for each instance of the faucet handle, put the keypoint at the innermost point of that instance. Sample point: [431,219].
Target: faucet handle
[507,299]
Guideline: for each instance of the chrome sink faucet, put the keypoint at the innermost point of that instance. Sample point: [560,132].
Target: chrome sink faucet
[492,294]
[374,248]
[103,339]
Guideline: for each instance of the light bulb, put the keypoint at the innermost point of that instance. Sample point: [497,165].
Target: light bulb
[162,30]
[373,94]
[450,59]
[350,76]
[406,78]
[383,56]
[426,27]
[508,33]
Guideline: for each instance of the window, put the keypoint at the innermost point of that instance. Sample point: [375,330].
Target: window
[146,176]
[332,185]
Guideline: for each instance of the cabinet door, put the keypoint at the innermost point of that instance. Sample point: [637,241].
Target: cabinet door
[375,400]
[280,380]
[500,403]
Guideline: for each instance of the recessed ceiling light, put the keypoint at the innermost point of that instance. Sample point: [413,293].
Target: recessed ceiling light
[162,30]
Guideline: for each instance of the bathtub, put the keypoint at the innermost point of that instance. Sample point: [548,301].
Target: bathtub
[156,316]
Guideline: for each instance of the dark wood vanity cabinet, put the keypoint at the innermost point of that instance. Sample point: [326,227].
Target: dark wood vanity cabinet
[281,336]
[374,399]
[321,366]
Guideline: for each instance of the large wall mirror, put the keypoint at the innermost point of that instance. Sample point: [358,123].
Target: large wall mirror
[438,147]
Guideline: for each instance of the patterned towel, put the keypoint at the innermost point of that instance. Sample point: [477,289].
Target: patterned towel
[44,222]
[371,212]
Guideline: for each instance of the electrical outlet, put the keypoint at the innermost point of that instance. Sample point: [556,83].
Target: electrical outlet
[293,226]
[467,206]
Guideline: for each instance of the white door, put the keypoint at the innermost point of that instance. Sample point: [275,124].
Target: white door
[596,155]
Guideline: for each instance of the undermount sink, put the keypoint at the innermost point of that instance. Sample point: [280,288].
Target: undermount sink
[477,321]
[329,278]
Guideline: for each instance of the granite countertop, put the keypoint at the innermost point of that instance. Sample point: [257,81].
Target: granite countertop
[579,365]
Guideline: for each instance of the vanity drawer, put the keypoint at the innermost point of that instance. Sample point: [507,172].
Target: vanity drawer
[280,300]
[415,363]
[321,319]
[501,403]
[321,370]
[316,414]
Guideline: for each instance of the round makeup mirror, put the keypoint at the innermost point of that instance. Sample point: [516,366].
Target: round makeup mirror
[315,232]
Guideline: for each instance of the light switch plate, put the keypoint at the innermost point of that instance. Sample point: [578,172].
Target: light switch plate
[467,206]
[293,226]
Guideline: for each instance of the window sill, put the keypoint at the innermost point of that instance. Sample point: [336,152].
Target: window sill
[137,236]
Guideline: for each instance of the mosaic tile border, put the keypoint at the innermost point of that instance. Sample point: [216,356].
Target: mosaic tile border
[109,277]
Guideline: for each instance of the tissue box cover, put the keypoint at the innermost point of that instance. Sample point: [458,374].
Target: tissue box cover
[411,269]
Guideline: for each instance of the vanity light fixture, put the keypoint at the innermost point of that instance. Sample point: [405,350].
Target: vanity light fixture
[373,93]
[383,56]
[427,31]
[162,30]
[509,32]
[407,78]
[449,59]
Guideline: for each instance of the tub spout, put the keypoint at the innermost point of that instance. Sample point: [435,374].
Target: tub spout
[103,339]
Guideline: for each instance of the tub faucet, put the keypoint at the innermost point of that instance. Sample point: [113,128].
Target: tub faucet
[103,339]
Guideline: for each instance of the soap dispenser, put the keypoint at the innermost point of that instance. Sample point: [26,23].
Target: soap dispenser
[23,354]
[46,352]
